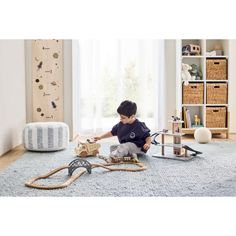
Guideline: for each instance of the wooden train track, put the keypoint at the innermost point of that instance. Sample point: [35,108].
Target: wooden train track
[77,163]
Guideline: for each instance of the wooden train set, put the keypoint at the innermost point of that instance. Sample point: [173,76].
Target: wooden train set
[90,148]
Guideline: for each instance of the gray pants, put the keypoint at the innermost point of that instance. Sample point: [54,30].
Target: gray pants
[125,149]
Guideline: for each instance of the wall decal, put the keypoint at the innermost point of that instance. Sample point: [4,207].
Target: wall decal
[54,104]
[40,65]
[47,69]
[46,94]
[53,83]
[55,55]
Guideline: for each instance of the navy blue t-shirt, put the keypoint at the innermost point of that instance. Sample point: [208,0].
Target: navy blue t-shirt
[135,133]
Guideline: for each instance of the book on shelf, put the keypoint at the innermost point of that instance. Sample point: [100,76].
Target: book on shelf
[187,118]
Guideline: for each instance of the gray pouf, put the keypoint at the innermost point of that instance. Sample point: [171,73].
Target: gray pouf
[46,136]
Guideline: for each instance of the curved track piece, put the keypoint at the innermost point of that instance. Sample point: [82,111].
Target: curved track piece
[195,152]
[76,164]
[154,135]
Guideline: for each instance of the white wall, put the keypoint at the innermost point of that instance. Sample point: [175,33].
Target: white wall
[12,94]
[170,75]
[232,85]
[70,86]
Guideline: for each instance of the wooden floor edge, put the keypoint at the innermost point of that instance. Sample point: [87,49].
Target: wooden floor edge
[11,156]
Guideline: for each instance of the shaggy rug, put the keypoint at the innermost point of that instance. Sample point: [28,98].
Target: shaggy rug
[211,174]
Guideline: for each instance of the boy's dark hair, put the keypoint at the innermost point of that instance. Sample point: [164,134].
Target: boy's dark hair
[127,108]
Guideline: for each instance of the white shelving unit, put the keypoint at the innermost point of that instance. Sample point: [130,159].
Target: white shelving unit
[207,45]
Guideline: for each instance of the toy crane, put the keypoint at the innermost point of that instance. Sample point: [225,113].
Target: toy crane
[180,151]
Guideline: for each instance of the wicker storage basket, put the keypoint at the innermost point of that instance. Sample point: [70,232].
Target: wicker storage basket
[193,93]
[217,93]
[216,69]
[216,117]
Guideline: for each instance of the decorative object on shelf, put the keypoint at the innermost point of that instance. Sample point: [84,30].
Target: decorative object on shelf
[195,72]
[202,135]
[211,54]
[218,49]
[186,76]
[191,50]
[197,120]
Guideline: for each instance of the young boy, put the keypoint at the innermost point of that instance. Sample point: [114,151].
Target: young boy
[133,135]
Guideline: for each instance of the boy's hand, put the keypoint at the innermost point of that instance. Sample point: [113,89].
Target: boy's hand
[96,138]
[146,146]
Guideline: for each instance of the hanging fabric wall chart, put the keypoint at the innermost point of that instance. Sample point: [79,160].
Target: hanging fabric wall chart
[47,71]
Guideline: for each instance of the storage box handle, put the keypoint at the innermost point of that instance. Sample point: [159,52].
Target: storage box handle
[215,110]
[216,62]
[216,86]
[193,86]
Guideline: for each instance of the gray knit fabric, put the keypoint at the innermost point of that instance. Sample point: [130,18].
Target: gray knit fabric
[46,136]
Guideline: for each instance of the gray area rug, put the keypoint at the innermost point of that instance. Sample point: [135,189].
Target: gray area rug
[212,174]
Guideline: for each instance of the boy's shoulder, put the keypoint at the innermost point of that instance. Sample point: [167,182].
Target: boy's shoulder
[141,124]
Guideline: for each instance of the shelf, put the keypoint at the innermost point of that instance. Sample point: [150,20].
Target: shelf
[192,105]
[213,130]
[216,57]
[216,81]
[195,81]
[192,56]
[216,105]
[218,129]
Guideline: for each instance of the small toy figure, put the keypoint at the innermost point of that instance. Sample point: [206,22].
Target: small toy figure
[195,72]
[175,118]
[197,120]
[185,73]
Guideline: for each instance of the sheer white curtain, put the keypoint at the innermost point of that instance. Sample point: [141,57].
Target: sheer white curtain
[111,71]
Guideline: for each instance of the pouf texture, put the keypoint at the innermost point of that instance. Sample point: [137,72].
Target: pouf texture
[202,135]
[46,136]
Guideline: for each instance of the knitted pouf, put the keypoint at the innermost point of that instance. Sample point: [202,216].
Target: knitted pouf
[46,136]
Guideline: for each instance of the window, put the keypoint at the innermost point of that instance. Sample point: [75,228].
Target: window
[111,71]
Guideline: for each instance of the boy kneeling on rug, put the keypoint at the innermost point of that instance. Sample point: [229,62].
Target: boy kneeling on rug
[133,135]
